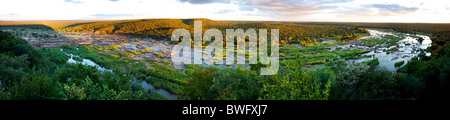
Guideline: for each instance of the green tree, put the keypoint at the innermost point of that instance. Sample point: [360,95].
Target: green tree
[236,84]
[198,87]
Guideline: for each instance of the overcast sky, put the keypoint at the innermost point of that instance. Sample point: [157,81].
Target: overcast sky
[265,10]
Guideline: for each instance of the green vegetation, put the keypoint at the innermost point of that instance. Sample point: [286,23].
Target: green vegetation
[372,41]
[78,59]
[163,28]
[336,80]
[161,76]
[293,83]
[55,25]
[433,73]
[96,54]
[428,73]
[31,31]
[386,41]
[373,62]
[362,82]
[164,76]
[398,64]
[392,40]
[28,73]
[319,54]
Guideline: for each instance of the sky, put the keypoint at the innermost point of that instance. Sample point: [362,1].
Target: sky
[424,11]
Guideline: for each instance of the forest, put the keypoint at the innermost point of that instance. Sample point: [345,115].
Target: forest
[163,28]
[34,74]
[43,73]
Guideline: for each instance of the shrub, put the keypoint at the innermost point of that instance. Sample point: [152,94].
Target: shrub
[198,87]
[398,64]
[236,84]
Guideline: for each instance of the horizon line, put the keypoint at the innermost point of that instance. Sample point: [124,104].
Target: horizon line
[306,21]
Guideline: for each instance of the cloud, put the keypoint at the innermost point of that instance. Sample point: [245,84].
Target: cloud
[13,15]
[205,1]
[290,6]
[111,15]
[114,0]
[393,9]
[73,1]
[224,11]
[106,16]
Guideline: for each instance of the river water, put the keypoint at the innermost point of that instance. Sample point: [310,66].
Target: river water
[146,86]
[405,52]
[408,48]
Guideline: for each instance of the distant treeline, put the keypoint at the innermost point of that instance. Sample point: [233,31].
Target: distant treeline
[432,72]
[55,25]
[163,28]
[440,31]
[30,26]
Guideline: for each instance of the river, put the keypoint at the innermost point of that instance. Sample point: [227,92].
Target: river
[405,52]
[408,48]
[144,84]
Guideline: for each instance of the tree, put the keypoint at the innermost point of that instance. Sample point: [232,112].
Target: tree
[282,42]
[236,84]
[198,87]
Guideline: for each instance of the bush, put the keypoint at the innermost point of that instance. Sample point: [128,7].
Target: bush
[398,64]
[54,55]
[236,84]
[373,62]
[77,73]
[291,83]
[361,82]
[12,68]
[35,86]
[198,87]
[88,90]
[411,87]
[12,46]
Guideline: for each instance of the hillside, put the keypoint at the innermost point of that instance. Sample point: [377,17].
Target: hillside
[55,25]
[36,74]
[163,28]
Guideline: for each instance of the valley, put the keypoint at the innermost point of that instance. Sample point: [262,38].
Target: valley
[146,62]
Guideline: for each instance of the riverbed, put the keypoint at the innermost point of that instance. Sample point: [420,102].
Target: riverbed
[408,48]
[146,86]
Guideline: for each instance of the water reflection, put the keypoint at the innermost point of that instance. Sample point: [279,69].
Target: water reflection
[144,84]
[408,48]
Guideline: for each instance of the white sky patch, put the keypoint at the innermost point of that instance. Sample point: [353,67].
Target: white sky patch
[354,11]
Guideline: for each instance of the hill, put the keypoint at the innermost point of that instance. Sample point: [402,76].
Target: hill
[55,25]
[163,28]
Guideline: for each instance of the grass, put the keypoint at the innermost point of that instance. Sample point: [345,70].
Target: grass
[159,55]
[161,76]
[105,59]
[352,54]
[386,40]
[372,62]
[319,54]
[394,49]
[392,40]
[372,41]
[398,64]
[54,55]
[77,59]
[403,69]
[161,83]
